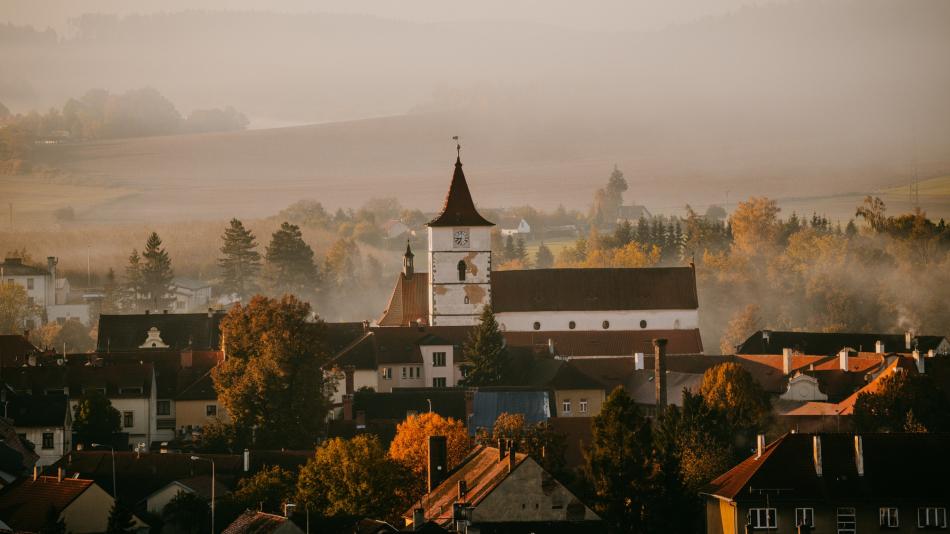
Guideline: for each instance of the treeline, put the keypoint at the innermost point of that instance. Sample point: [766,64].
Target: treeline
[99,114]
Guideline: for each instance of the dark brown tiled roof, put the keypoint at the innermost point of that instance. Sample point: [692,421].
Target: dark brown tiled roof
[399,344]
[128,380]
[574,343]
[459,208]
[409,301]
[655,288]
[830,343]
[14,350]
[25,504]
[199,331]
[897,468]
[32,411]
[200,389]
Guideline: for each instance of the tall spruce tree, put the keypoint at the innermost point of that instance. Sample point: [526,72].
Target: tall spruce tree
[487,355]
[156,273]
[240,262]
[132,290]
[543,259]
[290,267]
[521,253]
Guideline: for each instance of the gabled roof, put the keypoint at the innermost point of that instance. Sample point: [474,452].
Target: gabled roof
[459,208]
[123,380]
[409,301]
[897,468]
[399,344]
[16,267]
[251,522]
[394,405]
[653,288]
[199,485]
[200,389]
[25,504]
[14,350]
[32,411]
[200,331]
[482,472]
[189,283]
[830,343]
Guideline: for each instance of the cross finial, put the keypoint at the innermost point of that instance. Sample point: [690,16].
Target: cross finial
[458,146]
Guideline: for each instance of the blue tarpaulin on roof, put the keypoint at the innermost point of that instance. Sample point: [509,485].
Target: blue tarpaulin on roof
[534,405]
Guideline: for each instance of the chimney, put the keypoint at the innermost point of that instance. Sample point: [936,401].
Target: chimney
[418,518]
[759,445]
[639,361]
[859,455]
[210,312]
[247,460]
[349,372]
[360,419]
[551,346]
[919,360]
[816,453]
[348,407]
[511,455]
[438,461]
[659,371]
[908,338]
[501,449]
[766,336]
[59,474]
[462,490]
[787,361]
[843,360]
[36,473]
[879,347]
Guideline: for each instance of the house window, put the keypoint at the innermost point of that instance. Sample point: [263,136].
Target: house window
[847,523]
[582,406]
[438,359]
[537,325]
[47,440]
[211,410]
[805,517]
[643,323]
[572,325]
[605,324]
[128,419]
[461,267]
[438,382]
[387,373]
[29,283]
[404,372]
[762,517]
[163,407]
[889,517]
[566,406]
[931,518]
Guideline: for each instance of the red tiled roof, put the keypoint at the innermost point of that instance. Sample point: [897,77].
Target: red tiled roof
[24,505]
[482,472]
[409,301]
[459,208]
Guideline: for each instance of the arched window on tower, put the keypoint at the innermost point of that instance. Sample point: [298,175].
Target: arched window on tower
[462,268]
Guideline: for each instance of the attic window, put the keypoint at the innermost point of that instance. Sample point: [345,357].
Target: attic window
[537,325]
[572,325]
[606,325]
[643,323]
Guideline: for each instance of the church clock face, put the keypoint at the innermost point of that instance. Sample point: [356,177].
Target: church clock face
[460,238]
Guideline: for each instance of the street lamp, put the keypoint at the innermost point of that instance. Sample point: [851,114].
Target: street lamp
[195,459]
[115,494]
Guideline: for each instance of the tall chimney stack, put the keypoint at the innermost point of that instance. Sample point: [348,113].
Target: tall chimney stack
[816,453]
[919,360]
[843,360]
[759,445]
[908,339]
[438,461]
[659,372]
[787,361]
[859,455]
[879,347]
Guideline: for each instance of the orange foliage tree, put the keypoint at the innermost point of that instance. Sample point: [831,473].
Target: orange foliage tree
[411,444]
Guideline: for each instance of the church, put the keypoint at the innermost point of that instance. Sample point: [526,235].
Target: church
[458,281]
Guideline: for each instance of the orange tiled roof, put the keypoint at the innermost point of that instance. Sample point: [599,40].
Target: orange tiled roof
[25,504]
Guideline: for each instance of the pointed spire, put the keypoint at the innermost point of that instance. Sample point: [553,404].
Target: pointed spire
[459,208]
[407,261]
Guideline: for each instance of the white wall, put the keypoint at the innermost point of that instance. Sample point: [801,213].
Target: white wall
[448,371]
[47,456]
[593,320]
[68,312]
[447,295]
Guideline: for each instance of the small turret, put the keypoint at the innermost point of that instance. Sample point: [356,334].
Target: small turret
[407,263]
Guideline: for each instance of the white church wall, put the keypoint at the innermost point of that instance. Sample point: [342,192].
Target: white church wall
[442,238]
[445,267]
[458,299]
[594,320]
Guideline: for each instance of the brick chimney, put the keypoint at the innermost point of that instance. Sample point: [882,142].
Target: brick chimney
[438,461]
[348,407]
[859,455]
[349,373]
[659,372]
[787,361]
[816,453]
[843,360]
[759,445]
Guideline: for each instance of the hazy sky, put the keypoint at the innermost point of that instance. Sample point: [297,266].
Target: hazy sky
[596,15]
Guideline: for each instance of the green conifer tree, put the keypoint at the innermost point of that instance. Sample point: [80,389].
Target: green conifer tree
[132,291]
[290,267]
[240,262]
[157,274]
[487,355]
[543,259]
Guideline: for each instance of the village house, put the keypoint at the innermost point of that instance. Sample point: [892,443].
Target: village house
[497,490]
[843,483]
[255,522]
[190,295]
[199,485]
[831,343]
[197,405]
[513,226]
[43,289]
[45,421]
[82,505]
[16,350]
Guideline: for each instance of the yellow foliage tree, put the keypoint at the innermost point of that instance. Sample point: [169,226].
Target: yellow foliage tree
[755,225]
[411,444]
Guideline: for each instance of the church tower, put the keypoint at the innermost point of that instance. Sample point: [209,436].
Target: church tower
[459,258]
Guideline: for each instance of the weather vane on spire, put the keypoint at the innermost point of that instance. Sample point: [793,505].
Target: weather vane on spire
[458,146]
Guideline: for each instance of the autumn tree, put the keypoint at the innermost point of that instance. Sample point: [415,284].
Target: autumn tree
[903,402]
[485,349]
[15,308]
[156,274]
[266,490]
[410,446]
[620,464]
[539,441]
[290,267]
[745,405]
[607,200]
[240,262]
[94,419]
[874,213]
[272,379]
[743,324]
[755,226]
[354,477]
